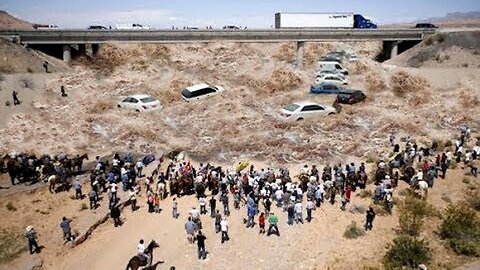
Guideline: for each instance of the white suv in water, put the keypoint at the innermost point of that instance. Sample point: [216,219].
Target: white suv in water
[200,91]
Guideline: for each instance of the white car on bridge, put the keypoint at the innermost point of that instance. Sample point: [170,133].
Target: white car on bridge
[140,103]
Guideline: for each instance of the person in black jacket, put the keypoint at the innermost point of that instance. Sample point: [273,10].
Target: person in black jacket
[115,214]
[202,253]
[370,218]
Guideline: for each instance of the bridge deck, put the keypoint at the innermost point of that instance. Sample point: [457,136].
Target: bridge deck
[172,36]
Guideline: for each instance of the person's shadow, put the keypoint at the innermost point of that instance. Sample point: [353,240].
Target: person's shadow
[154,266]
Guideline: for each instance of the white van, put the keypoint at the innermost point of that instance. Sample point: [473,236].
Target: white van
[331,65]
[200,91]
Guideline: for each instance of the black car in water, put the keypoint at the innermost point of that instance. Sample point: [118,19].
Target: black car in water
[350,96]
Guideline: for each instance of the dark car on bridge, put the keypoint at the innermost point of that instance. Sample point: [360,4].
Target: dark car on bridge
[425,25]
[350,96]
[97,27]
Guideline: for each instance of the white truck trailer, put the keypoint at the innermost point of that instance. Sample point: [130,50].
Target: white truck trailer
[322,20]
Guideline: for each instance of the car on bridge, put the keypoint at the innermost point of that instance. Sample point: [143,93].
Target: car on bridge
[132,26]
[200,91]
[230,27]
[425,25]
[97,27]
[326,88]
[305,110]
[140,103]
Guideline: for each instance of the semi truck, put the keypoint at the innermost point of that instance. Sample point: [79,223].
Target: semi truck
[322,20]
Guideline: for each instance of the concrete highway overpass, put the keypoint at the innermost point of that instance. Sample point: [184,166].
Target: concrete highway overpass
[77,39]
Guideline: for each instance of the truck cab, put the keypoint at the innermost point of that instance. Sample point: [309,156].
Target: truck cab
[360,22]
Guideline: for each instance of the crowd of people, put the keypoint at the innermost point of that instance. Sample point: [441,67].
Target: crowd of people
[262,192]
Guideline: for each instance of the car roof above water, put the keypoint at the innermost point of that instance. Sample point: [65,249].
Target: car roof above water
[197,87]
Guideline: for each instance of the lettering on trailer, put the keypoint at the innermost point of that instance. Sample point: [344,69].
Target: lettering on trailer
[338,16]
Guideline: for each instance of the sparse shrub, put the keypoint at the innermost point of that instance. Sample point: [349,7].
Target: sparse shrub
[411,216]
[429,41]
[72,197]
[26,83]
[406,251]
[440,38]
[473,199]
[83,206]
[453,164]
[357,209]
[29,70]
[11,207]
[353,231]
[365,194]
[381,209]
[466,181]
[446,198]
[461,228]
[465,65]
[7,103]
[12,244]
[476,52]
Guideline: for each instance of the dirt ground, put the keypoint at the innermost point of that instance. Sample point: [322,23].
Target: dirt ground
[429,103]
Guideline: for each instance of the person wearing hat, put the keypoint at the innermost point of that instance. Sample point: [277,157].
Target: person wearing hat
[31,236]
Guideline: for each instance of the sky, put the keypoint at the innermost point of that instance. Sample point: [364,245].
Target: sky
[217,13]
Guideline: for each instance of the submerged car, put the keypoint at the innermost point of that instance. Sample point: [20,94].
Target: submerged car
[140,103]
[304,110]
[351,96]
[331,78]
[326,88]
[200,91]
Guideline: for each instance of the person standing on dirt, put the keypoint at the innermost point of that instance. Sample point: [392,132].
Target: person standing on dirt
[31,236]
[78,189]
[190,229]
[202,253]
[272,221]
[16,101]
[370,218]
[213,205]
[45,66]
[93,199]
[62,90]
[66,229]
[175,208]
[224,229]
[115,214]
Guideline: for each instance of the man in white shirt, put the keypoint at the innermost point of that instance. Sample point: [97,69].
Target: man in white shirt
[310,206]
[141,252]
[298,212]
[279,197]
[203,202]
[224,229]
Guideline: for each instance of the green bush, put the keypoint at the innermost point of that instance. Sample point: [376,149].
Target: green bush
[353,231]
[473,199]
[12,244]
[461,228]
[412,213]
[406,251]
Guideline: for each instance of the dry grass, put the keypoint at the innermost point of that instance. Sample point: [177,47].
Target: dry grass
[286,53]
[12,244]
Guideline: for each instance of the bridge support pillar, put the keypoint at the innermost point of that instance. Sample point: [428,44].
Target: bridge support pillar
[300,52]
[95,48]
[67,53]
[394,49]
